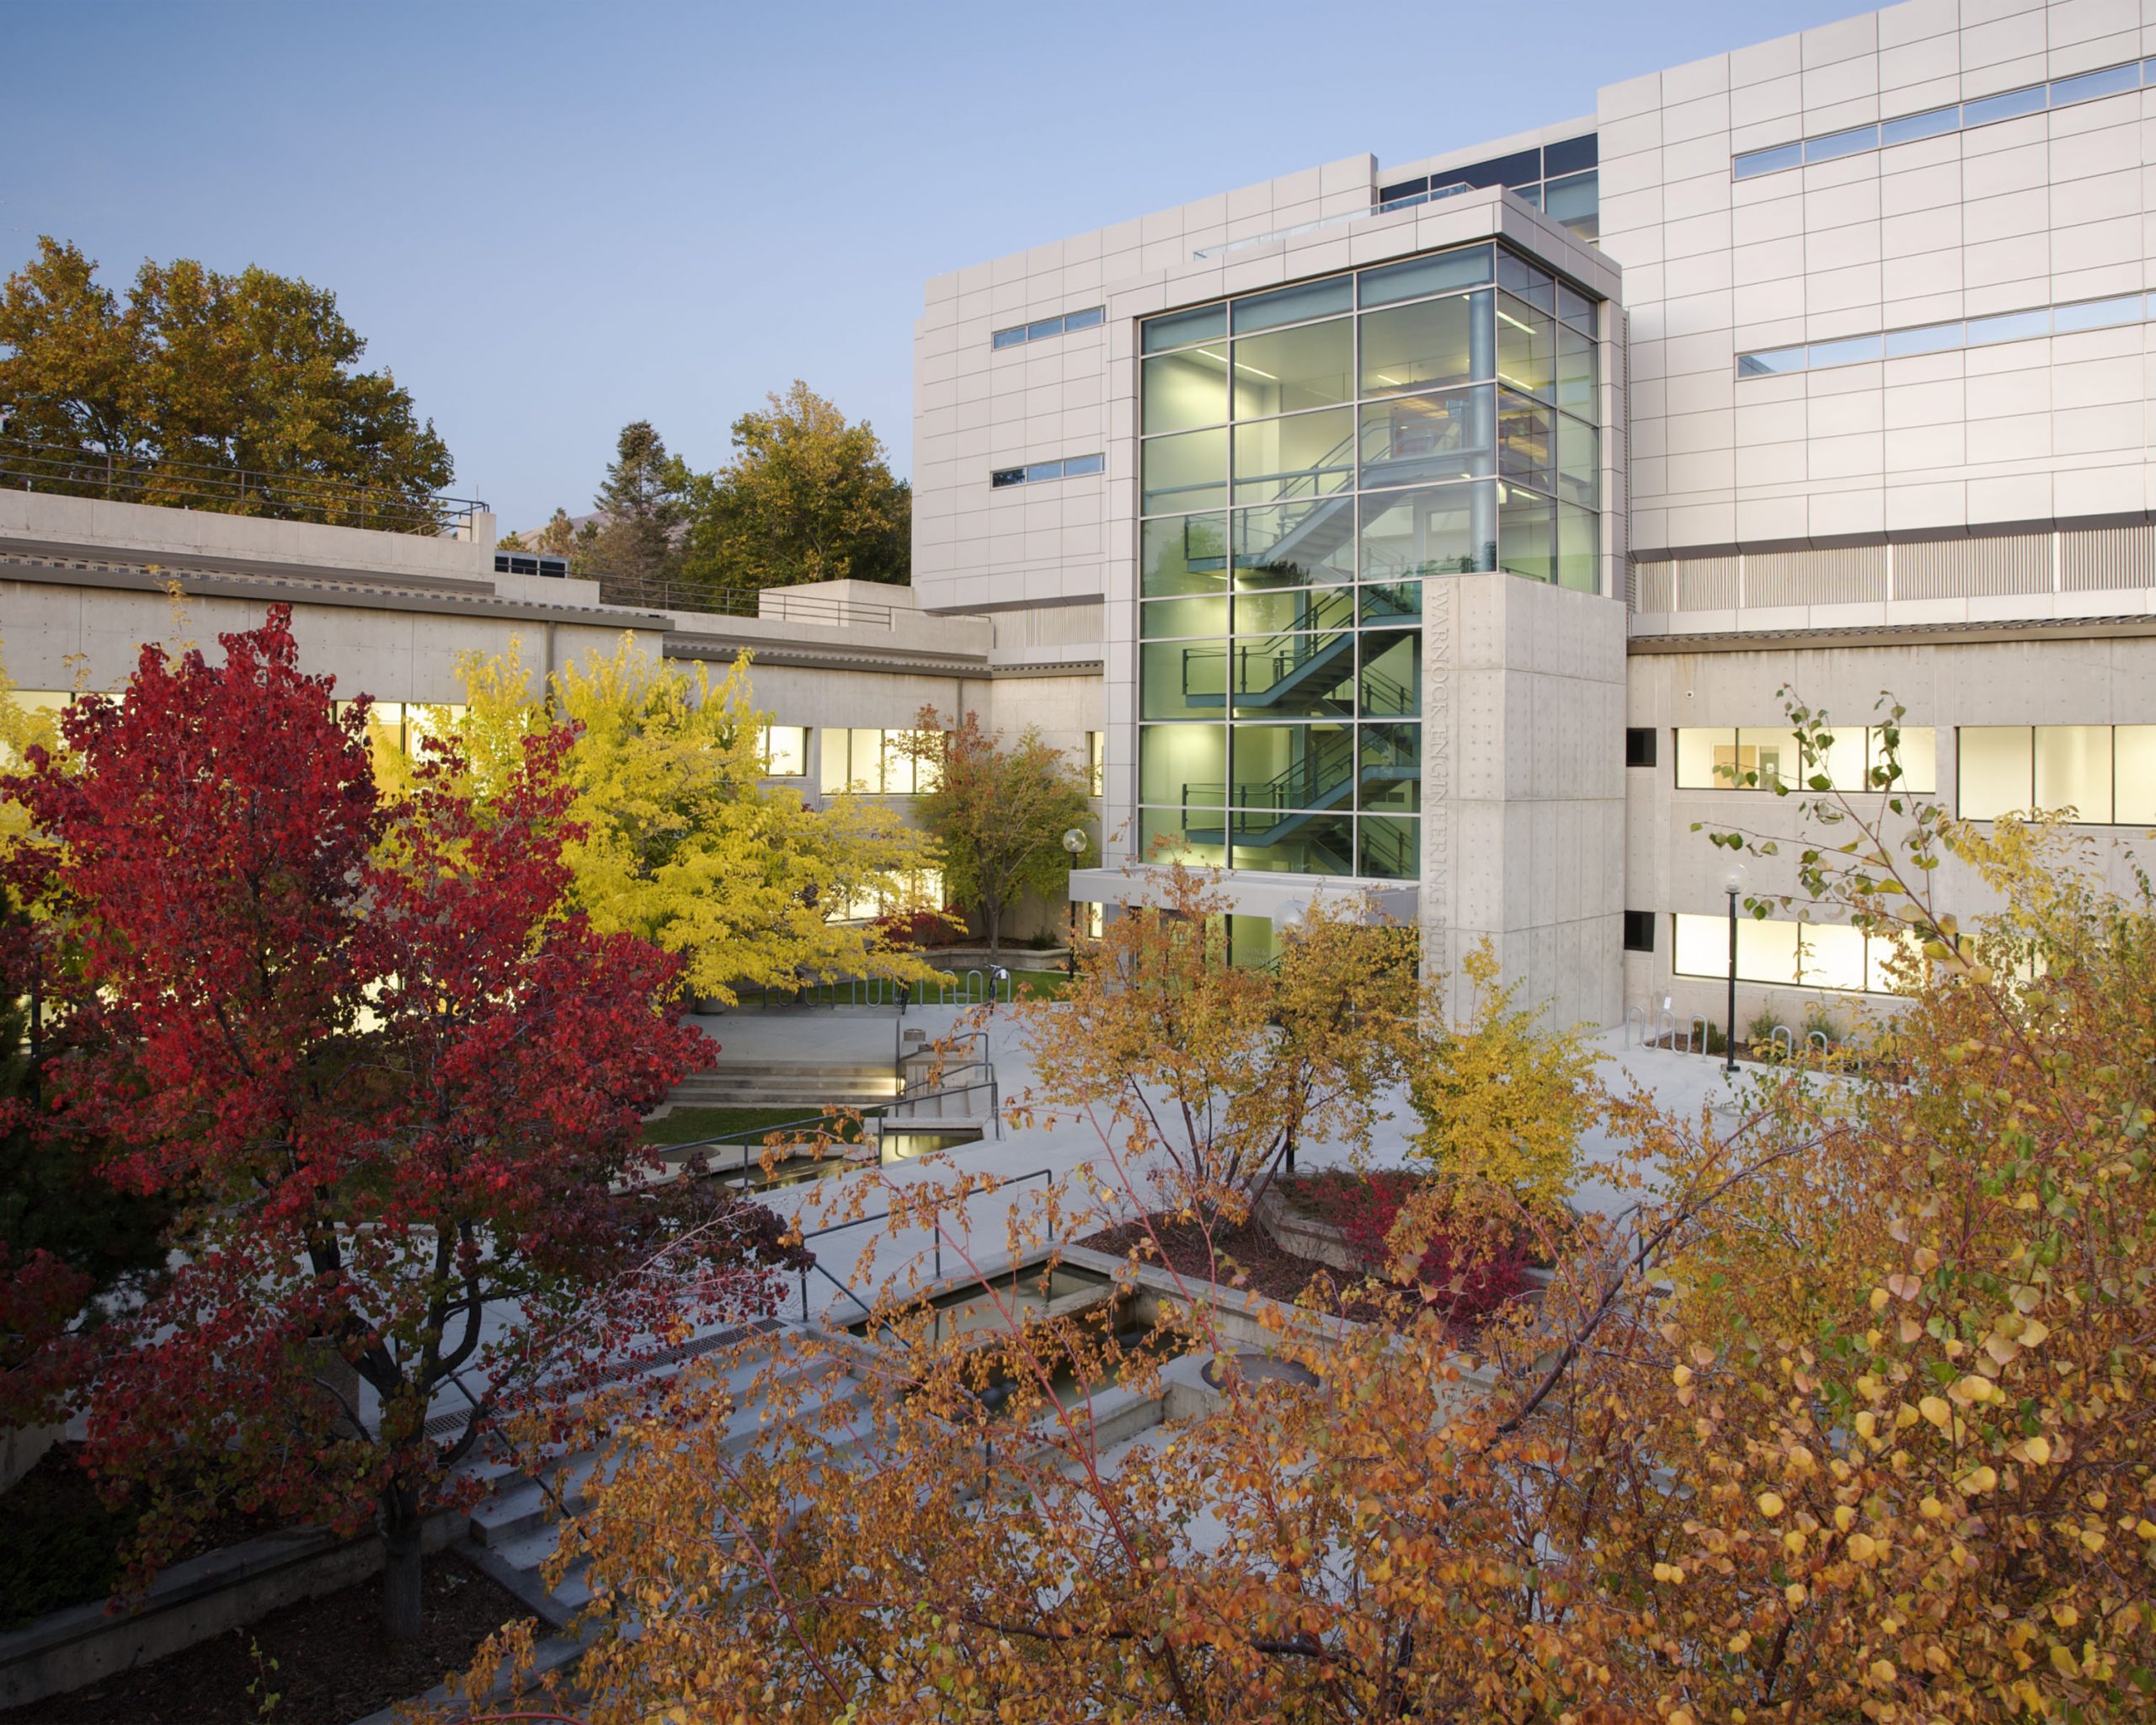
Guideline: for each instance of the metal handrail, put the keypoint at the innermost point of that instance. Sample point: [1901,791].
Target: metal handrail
[884,1215]
[754,1137]
[233,490]
[995,1105]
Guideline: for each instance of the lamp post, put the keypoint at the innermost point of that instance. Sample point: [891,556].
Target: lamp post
[1074,845]
[1732,882]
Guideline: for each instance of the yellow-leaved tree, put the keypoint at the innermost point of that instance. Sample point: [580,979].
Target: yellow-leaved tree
[1502,1100]
[684,843]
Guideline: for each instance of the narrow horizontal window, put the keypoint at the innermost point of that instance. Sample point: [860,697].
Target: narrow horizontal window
[1926,338]
[1838,144]
[1758,162]
[1046,328]
[1850,350]
[1405,189]
[1038,472]
[2091,85]
[1910,127]
[1945,338]
[1771,363]
[1933,122]
[2097,314]
[2008,326]
[2010,105]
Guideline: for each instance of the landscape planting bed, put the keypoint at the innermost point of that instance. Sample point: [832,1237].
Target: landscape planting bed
[333,1663]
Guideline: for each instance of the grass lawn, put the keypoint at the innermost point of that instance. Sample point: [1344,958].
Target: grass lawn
[1045,985]
[689,1125]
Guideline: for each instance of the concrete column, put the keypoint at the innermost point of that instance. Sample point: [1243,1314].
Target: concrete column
[1524,790]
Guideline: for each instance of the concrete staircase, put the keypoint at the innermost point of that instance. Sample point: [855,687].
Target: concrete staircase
[781,1083]
[516,1529]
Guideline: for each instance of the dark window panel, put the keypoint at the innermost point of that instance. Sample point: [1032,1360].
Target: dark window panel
[1405,189]
[1521,167]
[1571,155]
[1007,476]
[1639,745]
[1639,931]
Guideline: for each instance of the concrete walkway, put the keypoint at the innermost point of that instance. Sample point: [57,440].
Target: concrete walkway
[1684,1083]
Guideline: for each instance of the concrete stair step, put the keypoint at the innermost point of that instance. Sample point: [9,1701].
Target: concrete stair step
[520,1505]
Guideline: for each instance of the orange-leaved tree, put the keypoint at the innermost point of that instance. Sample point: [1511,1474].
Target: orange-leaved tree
[1848,1416]
[1205,1073]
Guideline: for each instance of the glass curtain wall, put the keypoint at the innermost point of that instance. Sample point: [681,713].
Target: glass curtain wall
[1309,457]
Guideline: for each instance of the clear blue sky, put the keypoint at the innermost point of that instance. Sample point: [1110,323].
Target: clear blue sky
[549,220]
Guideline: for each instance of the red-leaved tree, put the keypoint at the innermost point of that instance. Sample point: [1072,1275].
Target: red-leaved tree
[391,1084]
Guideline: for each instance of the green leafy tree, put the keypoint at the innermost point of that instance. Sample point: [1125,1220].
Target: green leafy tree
[998,812]
[642,502]
[253,377]
[808,496]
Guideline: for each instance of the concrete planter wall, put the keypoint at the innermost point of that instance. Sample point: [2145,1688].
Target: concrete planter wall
[1306,1235]
[21,1447]
[190,1602]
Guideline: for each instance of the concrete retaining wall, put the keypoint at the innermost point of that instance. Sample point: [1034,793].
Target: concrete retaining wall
[188,1603]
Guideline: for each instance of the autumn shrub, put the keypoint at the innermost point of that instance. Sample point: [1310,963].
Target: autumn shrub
[1502,1097]
[60,1543]
[921,930]
[1475,1272]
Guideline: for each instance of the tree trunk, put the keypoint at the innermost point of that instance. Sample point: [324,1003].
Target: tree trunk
[992,911]
[400,1565]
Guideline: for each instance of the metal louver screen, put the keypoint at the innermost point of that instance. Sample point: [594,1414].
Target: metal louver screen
[1973,568]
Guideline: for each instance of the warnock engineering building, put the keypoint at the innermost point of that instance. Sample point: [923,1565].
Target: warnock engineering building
[1446,530]
[1452,525]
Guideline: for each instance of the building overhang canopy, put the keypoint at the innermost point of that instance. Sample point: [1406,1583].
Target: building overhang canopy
[1282,899]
